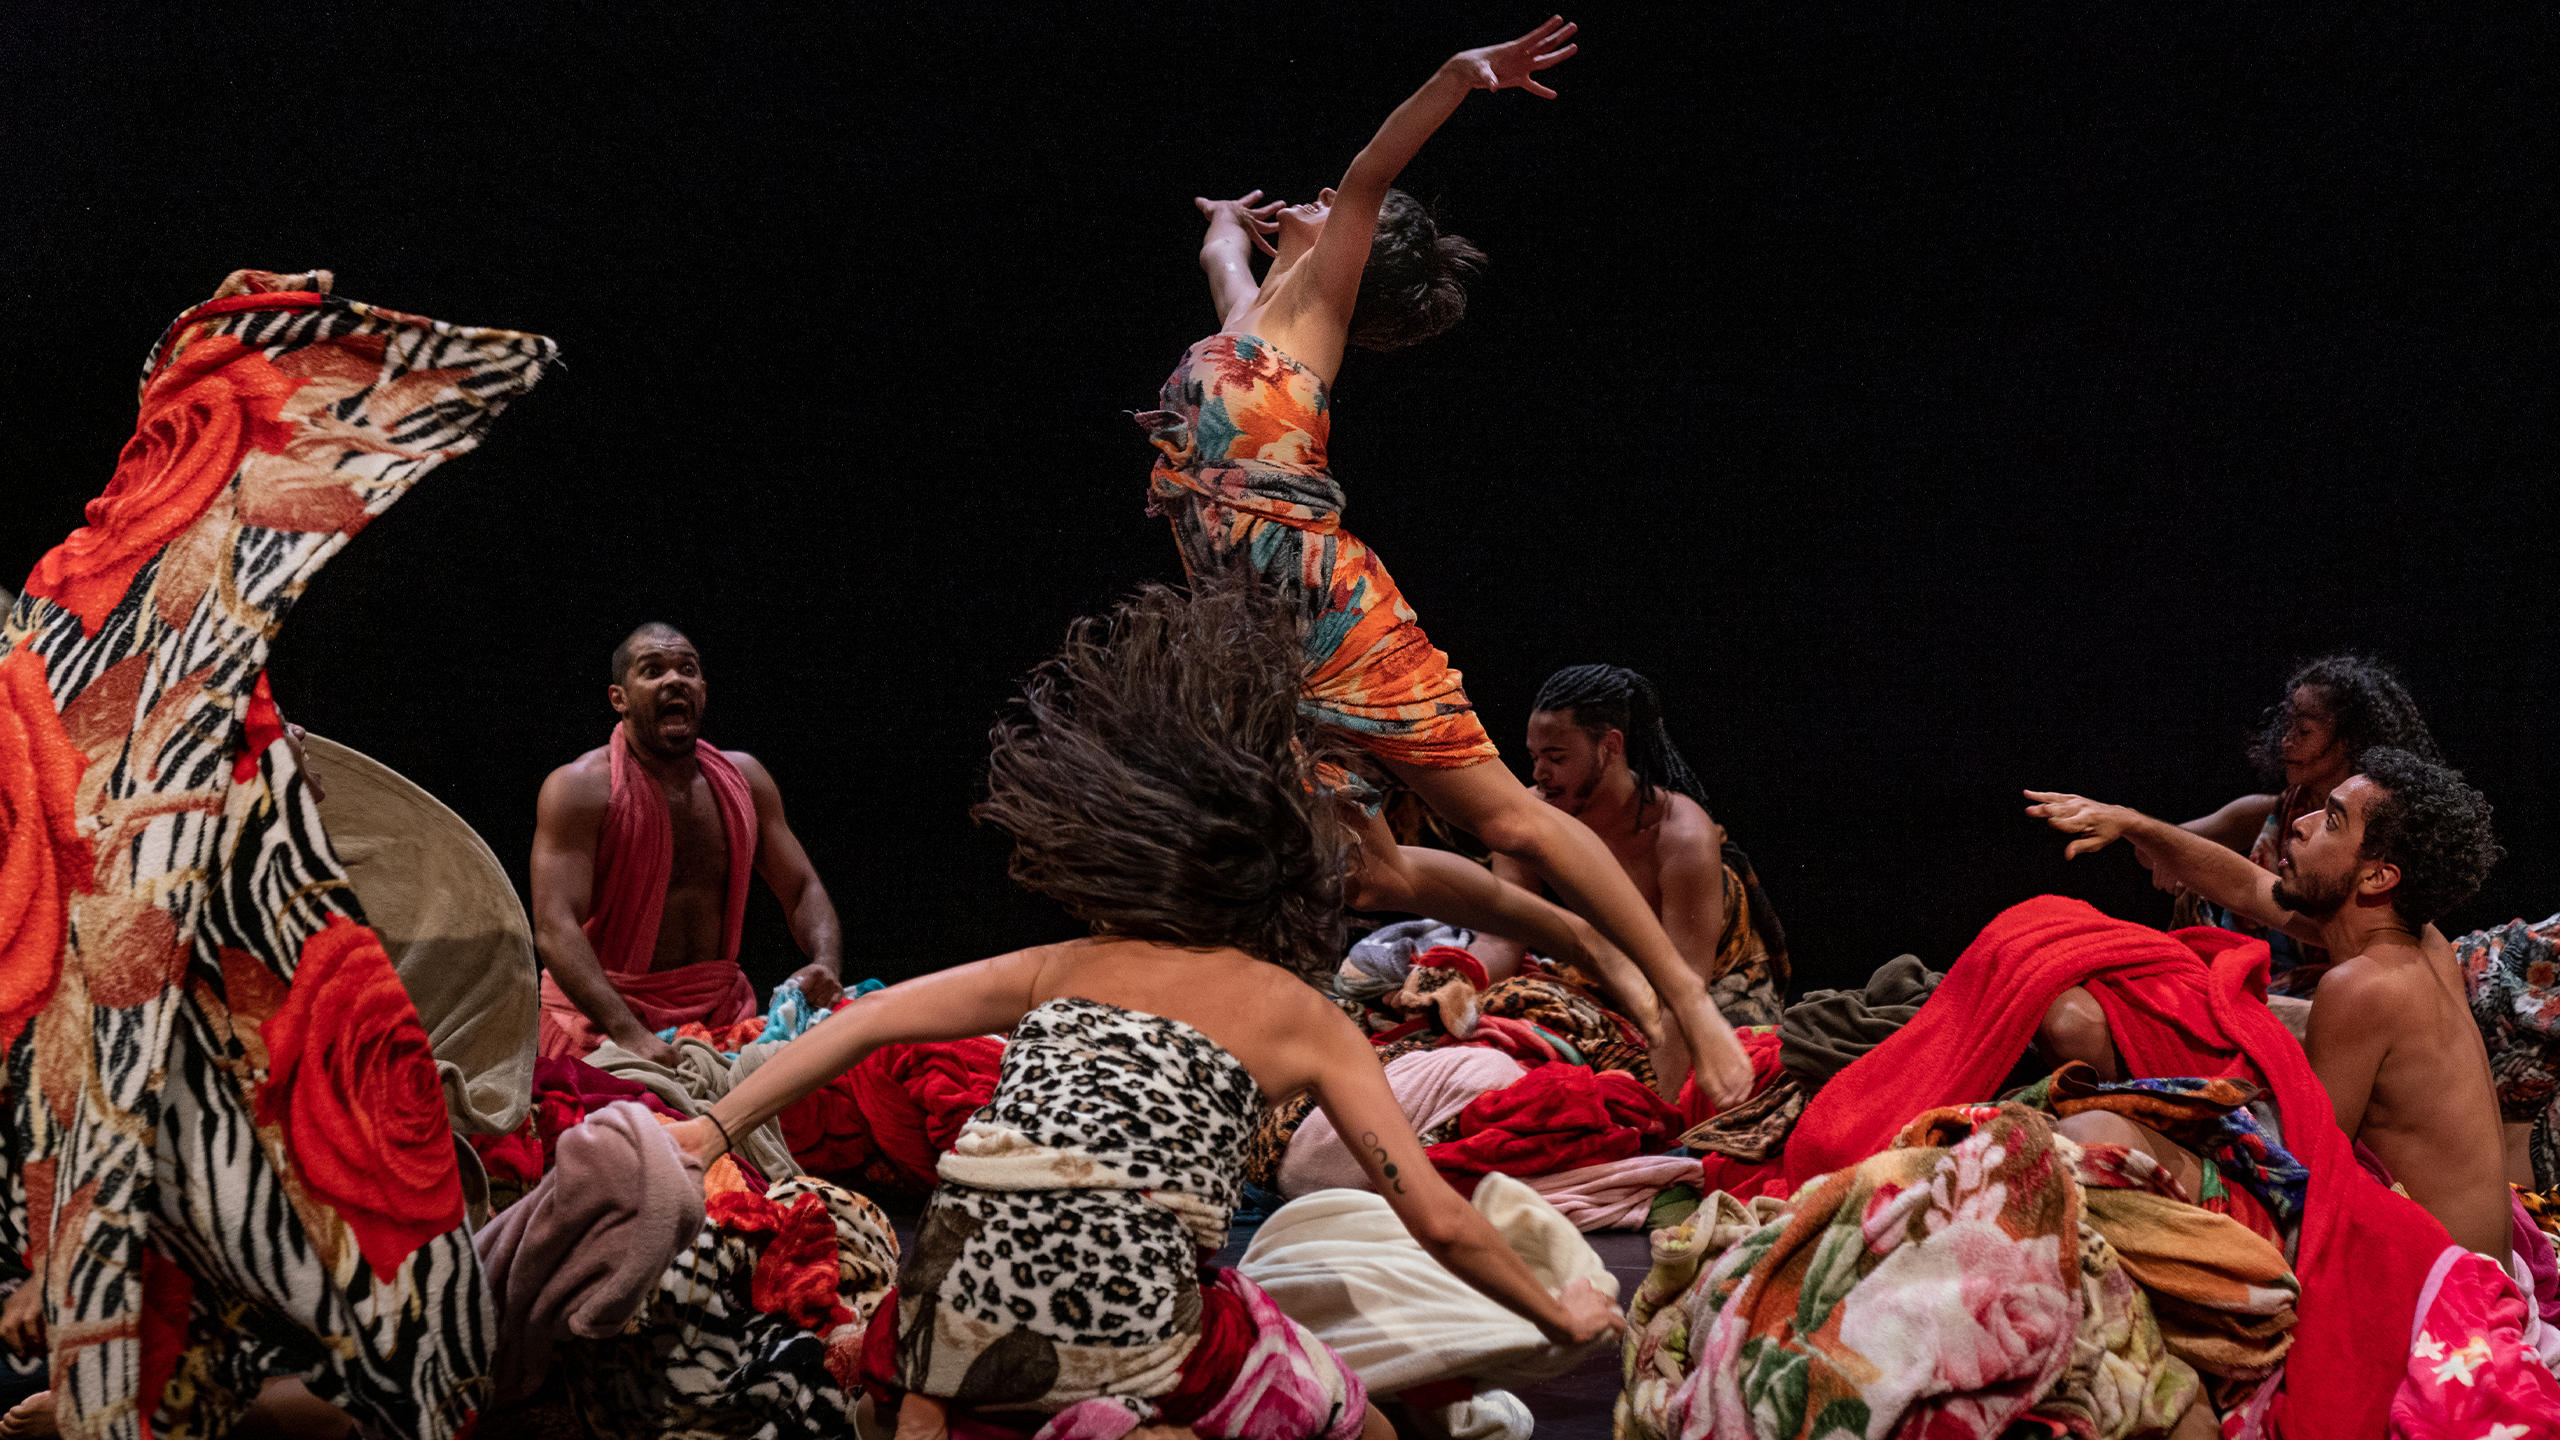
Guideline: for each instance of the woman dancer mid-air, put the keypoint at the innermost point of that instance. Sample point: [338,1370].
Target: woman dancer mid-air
[1157,781]
[1242,427]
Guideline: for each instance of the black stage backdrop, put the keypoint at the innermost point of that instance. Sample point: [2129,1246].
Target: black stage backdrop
[1934,405]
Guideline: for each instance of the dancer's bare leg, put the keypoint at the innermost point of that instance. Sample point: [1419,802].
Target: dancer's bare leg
[1423,881]
[1488,802]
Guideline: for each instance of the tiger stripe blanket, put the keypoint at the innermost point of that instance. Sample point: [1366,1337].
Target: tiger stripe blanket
[229,1156]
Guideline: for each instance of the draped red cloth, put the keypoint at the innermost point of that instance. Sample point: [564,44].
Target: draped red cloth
[2188,1003]
[635,859]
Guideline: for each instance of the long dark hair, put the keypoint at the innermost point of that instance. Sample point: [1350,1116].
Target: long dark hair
[2366,701]
[1602,698]
[1414,284]
[1155,776]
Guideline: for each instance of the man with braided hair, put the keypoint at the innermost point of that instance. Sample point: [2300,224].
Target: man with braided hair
[1600,753]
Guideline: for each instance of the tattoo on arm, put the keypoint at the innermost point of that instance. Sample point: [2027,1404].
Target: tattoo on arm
[1386,1166]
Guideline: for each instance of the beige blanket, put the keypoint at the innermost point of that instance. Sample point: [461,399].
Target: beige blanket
[449,918]
[700,1076]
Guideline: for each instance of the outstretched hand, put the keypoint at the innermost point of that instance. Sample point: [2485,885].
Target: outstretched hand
[1500,67]
[2098,826]
[1253,219]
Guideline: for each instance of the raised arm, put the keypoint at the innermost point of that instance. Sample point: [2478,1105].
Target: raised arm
[1236,229]
[980,998]
[1353,1091]
[794,881]
[2223,876]
[1342,252]
[2236,825]
[568,817]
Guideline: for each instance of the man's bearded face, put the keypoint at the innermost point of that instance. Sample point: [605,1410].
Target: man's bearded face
[1564,762]
[2318,874]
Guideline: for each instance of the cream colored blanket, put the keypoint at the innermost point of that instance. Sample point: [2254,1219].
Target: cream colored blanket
[449,918]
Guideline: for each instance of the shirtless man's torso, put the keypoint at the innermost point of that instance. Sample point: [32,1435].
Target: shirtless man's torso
[660,694]
[2391,1033]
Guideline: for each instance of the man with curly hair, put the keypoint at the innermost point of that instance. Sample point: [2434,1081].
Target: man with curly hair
[2335,708]
[2395,847]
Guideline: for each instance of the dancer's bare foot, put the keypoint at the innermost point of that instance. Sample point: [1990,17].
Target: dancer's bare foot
[1670,1056]
[30,1417]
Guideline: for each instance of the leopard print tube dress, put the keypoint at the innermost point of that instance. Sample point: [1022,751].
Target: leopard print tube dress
[1059,1259]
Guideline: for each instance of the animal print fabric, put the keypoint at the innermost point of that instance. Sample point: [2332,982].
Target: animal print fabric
[1059,1259]
[230,1157]
[1242,477]
[705,1362]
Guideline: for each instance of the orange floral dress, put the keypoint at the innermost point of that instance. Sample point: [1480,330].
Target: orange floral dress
[1243,480]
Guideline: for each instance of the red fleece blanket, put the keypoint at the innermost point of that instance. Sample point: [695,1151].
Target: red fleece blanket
[2193,1003]
[890,1118]
[1557,1117]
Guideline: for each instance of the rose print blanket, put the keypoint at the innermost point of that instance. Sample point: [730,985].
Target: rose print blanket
[230,1153]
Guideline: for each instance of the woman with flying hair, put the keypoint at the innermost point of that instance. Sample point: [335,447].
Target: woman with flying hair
[1157,780]
[2334,709]
[1243,478]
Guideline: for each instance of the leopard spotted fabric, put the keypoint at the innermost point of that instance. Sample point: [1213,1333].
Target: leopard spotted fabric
[1059,1260]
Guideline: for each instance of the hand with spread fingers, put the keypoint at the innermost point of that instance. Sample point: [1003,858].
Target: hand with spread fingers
[2098,826]
[1249,213]
[1501,67]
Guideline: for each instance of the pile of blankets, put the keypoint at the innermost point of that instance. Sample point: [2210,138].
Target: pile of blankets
[1980,1272]
[1795,1298]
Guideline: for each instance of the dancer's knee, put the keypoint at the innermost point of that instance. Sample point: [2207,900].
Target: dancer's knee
[2075,1028]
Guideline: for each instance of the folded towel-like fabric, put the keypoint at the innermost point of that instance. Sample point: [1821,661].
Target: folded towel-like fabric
[583,1252]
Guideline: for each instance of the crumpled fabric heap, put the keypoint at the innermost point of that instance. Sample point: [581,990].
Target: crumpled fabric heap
[583,1252]
[2211,1118]
[755,1329]
[1934,1289]
[565,1092]
[1556,1117]
[2512,972]
[1432,1087]
[1825,1031]
[700,1075]
[787,1016]
[1378,962]
[887,1120]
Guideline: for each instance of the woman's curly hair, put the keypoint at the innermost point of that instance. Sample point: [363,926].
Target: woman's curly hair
[1155,775]
[2431,825]
[2365,700]
[1414,285]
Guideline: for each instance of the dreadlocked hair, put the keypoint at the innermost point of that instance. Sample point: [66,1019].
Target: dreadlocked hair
[2365,700]
[1414,285]
[1155,777]
[1602,698]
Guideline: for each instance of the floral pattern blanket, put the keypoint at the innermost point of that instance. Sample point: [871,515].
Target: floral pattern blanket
[229,1153]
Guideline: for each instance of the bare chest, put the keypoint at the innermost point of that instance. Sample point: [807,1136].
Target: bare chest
[701,841]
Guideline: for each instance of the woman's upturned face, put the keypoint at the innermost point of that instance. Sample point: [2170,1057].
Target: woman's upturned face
[1301,224]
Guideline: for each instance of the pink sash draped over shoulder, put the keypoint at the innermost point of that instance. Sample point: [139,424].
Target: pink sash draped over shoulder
[635,860]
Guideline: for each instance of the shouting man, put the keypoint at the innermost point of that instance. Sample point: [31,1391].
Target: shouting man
[641,850]
[2395,846]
